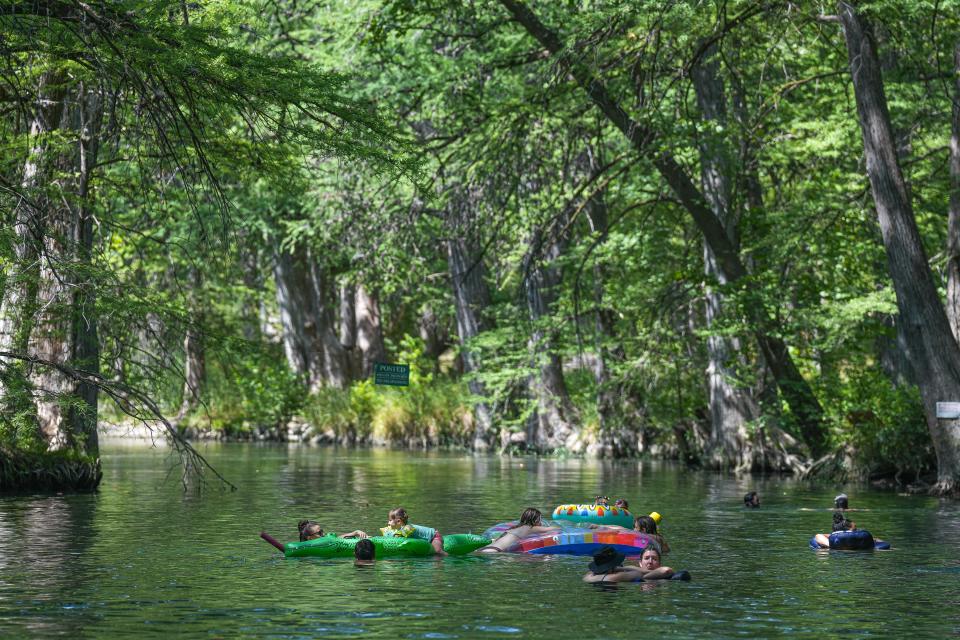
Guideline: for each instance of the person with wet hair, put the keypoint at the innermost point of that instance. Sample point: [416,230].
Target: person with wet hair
[531,523]
[621,503]
[751,500]
[647,525]
[364,552]
[607,567]
[310,530]
[840,523]
[841,502]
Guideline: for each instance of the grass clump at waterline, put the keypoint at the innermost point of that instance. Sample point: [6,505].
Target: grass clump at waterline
[426,414]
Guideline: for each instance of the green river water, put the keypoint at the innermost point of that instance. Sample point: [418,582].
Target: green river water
[141,558]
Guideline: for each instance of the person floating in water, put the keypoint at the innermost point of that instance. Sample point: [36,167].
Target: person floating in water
[840,523]
[751,500]
[648,525]
[621,503]
[398,525]
[601,501]
[607,566]
[531,523]
[310,530]
[364,553]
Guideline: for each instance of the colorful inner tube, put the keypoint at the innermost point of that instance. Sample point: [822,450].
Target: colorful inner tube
[583,543]
[858,540]
[594,514]
[387,547]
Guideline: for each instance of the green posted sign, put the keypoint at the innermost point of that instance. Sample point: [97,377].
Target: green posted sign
[395,375]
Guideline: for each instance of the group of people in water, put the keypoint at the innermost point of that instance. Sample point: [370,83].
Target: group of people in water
[608,563]
[841,505]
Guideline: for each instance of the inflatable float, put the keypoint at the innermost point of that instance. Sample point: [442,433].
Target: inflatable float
[856,540]
[594,514]
[574,541]
[330,546]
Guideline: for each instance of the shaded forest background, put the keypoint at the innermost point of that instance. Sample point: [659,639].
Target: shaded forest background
[725,231]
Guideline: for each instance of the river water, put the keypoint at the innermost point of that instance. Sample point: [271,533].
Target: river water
[143,558]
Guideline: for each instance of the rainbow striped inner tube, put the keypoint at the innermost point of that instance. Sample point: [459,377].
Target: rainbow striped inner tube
[574,541]
[594,514]
[456,544]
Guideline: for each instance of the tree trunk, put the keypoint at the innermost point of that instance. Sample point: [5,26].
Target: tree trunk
[470,299]
[551,424]
[290,277]
[330,366]
[935,355]
[48,307]
[310,343]
[795,390]
[731,405]
[194,360]
[953,220]
[348,327]
[369,331]
[616,438]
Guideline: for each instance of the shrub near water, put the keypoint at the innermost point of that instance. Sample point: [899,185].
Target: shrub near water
[427,412]
[885,425]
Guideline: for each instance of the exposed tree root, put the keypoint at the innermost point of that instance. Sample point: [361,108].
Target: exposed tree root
[139,406]
[20,471]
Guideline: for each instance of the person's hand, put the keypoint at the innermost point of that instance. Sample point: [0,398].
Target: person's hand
[362,535]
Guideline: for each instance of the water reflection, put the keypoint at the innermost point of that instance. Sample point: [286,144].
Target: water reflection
[143,557]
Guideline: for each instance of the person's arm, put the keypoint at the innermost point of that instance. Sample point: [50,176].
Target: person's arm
[628,574]
[660,573]
[822,540]
[355,534]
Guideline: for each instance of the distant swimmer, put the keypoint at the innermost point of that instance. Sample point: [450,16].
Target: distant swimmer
[841,524]
[531,523]
[751,500]
[840,503]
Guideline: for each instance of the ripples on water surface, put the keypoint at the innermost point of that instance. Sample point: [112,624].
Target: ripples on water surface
[142,558]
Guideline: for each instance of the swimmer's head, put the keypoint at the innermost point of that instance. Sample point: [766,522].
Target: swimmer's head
[840,502]
[645,524]
[650,558]
[532,517]
[606,560]
[365,551]
[840,522]
[309,530]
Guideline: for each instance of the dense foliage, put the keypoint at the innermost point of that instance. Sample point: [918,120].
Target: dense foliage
[252,202]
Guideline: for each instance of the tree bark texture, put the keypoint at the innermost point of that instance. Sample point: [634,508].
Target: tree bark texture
[731,404]
[614,402]
[305,298]
[551,424]
[369,330]
[470,299]
[48,308]
[795,390]
[933,350]
[953,218]
[194,358]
